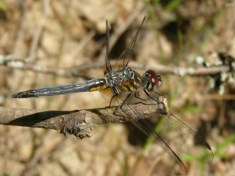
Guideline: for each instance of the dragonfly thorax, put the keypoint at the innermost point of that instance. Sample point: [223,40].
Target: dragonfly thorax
[124,80]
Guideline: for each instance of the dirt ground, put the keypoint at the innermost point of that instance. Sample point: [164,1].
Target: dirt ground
[71,34]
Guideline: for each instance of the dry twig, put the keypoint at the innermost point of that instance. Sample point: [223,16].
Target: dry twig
[77,122]
[80,71]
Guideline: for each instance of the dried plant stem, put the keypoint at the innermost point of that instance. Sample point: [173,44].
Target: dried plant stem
[80,71]
[77,122]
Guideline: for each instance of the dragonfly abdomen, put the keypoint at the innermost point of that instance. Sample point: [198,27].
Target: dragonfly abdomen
[99,84]
[87,86]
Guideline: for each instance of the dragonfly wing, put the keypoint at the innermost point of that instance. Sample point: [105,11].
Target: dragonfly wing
[171,134]
[148,129]
[174,128]
[127,54]
[108,66]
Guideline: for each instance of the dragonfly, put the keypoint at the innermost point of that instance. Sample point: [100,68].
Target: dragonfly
[125,88]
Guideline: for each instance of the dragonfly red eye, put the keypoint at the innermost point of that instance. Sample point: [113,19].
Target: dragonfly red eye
[155,78]
[152,80]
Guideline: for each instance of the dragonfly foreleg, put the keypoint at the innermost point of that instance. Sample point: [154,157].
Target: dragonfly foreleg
[111,100]
[120,107]
[142,100]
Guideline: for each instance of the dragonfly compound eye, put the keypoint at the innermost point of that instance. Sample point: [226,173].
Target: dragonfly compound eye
[159,81]
[153,81]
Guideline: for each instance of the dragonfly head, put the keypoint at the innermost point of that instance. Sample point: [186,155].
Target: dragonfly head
[152,81]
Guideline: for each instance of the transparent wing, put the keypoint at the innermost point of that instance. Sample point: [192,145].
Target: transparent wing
[127,54]
[108,66]
[171,134]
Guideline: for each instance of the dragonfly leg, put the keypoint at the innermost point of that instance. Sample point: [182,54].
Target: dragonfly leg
[142,100]
[111,100]
[120,107]
[116,92]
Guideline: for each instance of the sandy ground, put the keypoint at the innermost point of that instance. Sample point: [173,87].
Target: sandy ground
[65,34]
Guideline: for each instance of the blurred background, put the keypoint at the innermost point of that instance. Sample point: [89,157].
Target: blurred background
[69,35]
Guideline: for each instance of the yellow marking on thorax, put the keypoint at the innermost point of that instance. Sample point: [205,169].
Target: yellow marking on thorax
[96,88]
[107,91]
[126,86]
